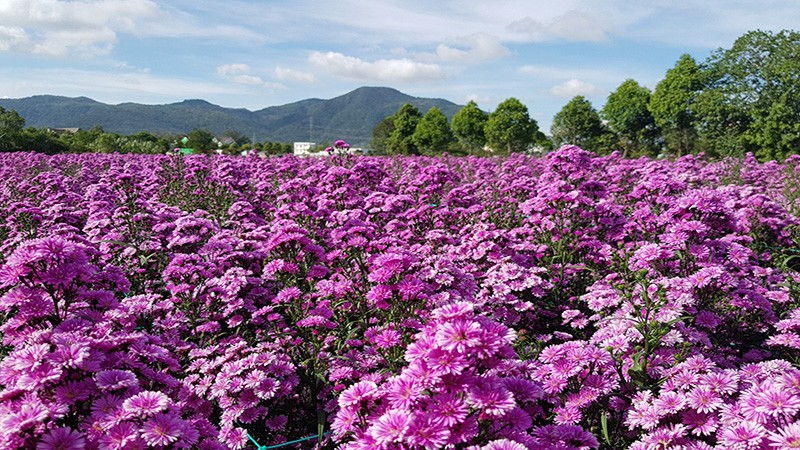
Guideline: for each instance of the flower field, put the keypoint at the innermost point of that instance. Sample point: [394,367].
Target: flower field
[564,302]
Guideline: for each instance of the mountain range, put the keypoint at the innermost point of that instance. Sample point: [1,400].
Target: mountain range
[351,116]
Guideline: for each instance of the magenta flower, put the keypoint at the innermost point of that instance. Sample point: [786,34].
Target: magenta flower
[391,426]
[744,435]
[146,403]
[504,444]
[62,439]
[111,380]
[162,429]
[363,390]
[122,436]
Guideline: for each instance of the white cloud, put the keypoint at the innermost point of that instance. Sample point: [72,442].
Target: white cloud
[282,73]
[238,73]
[400,70]
[572,25]
[475,48]
[573,87]
[61,28]
[12,38]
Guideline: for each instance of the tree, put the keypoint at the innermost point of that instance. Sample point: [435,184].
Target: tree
[510,128]
[754,92]
[11,126]
[405,123]
[672,104]
[577,123]
[627,114]
[432,134]
[468,126]
[201,140]
[380,135]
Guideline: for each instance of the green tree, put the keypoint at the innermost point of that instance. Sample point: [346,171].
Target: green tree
[11,127]
[754,93]
[468,126]
[380,135]
[405,121]
[432,134]
[627,114]
[672,104]
[510,128]
[41,140]
[201,140]
[577,123]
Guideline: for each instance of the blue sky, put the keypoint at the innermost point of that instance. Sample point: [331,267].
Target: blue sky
[254,54]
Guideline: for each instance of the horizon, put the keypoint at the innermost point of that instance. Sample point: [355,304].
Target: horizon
[250,55]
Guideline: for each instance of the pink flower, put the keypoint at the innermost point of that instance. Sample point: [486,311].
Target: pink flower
[493,399]
[61,439]
[391,426]
[355,394]
[428,432]
[742,435]
[703,400]
[146,403]
[162,429]
[504,444]
[122,436]
[450,408]
[110,380]
[786,437]
[458,336]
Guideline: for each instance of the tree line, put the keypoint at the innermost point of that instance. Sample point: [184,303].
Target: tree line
[14,136]
[739,100]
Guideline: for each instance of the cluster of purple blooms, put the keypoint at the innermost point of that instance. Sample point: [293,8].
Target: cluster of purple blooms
[569,302]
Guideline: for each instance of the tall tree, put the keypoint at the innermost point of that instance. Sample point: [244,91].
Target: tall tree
[432,134]
[672,101]
[380,135]
[405,123]
[11,126]
[754,90]
[577,123]
[627,114]
[510,128]
[468,126]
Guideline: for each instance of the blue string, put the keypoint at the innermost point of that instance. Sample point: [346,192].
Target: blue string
[296,441]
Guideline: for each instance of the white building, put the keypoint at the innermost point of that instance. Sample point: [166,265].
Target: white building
[304,148]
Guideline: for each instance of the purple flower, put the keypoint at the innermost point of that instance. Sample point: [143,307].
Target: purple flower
[146,403]
[111,380]
[162,429]
[62,439]
[391,426]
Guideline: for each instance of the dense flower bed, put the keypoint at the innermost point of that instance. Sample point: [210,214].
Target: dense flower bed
[564,302]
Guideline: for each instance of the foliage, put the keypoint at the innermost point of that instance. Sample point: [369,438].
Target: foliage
[405,121]
[628,116]
[671,104]
[11,125]
[432,134]
[577,123]
[510,128]
[469,125]
[380,135]
[757,92]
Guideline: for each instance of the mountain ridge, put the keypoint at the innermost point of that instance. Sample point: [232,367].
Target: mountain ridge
[350,116]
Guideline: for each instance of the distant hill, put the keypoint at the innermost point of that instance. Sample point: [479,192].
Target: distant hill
[351,116]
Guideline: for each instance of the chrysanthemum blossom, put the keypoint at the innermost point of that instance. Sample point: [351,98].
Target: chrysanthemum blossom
[146,403]
[62,439]
[162,429]
[391,426]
